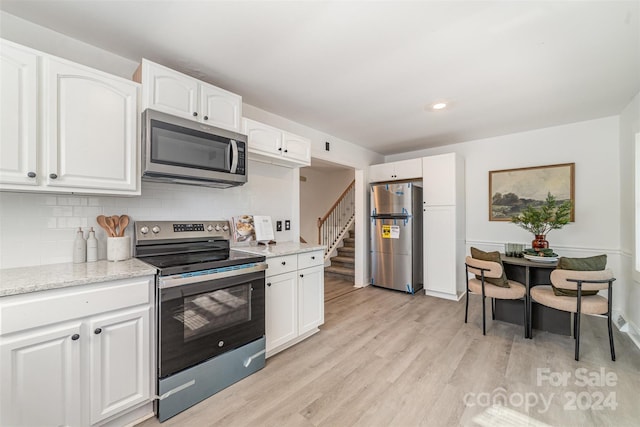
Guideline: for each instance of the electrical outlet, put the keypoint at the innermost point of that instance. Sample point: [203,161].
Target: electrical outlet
[278,225]
[287,224]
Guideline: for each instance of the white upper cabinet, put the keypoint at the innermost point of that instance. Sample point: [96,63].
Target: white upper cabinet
[272,145]
[169,91]
[91,136]
[443,179]
[220,108]
[18,120]
[172,92]
[66,127]
[394,171]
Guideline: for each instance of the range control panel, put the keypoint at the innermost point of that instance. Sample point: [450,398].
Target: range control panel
[172,230]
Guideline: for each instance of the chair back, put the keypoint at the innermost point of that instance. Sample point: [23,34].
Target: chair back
[492,269]
[565,279]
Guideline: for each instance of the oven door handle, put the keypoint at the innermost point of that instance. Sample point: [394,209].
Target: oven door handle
[188,278]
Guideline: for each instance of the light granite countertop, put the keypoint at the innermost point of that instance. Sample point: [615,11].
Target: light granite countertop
[280,249]
[22,280]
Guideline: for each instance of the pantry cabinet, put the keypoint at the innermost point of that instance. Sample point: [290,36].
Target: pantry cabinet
[395,171]
[76,356]
[444,242]
[294,299]
[272,145]
[67,127]
[172,92]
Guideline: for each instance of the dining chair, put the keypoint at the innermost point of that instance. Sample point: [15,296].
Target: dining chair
[578,281]
[487,270]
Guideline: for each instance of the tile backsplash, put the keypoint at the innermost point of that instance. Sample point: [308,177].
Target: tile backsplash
[40,228]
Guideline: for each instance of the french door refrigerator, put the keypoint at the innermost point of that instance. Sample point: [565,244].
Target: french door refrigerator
[396,236]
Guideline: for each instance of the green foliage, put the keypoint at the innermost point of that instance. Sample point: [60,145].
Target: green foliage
[549,216]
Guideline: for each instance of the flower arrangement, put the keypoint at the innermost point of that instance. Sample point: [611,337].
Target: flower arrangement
[548,216]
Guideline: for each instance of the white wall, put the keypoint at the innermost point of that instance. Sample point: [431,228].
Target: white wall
[629,282]
[318,193]
[592,145]
[39,228]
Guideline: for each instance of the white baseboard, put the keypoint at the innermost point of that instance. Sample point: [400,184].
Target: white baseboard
[443,295]
[634,333]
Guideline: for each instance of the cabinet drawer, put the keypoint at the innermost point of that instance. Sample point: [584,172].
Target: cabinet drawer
[44,308]
[310,259]
[282,264]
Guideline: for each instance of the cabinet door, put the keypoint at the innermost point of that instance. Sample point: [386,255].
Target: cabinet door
[281,309]
[408,169]
[91,137]
[41,377]
[439,180]
[220,108]
[310,299]
[119,361]
[440,250]
[263,139]
[382,172]
[18,97]
[169,91]
[296,148]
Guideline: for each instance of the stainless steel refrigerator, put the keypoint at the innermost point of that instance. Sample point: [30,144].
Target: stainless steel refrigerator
[396,236]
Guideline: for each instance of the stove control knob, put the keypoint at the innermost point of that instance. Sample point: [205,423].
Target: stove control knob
[155,229]
[218,228]
[225,227]
[209,227]
[144,229]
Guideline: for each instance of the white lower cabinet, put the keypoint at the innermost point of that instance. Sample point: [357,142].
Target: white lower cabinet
[281,303]
[294,299]
[310,299]
[119,355]
[76,356]
[41,377]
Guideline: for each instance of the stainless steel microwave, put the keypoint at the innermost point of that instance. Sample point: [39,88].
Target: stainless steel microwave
[184,151]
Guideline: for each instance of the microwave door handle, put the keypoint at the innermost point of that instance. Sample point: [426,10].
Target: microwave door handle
[233,154]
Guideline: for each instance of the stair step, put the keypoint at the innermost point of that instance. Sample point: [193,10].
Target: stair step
[343,259]
[346,250]
[340,270]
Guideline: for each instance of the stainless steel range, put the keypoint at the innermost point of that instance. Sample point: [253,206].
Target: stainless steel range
[210,304]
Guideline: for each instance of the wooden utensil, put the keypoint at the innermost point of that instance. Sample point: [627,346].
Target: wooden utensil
[102,221]
[116,222]
[124,221]
[111,226]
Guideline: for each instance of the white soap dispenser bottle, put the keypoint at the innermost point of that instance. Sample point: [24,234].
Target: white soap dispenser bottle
[79,247]
[92,246]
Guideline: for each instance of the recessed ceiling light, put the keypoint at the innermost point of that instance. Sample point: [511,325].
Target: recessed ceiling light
[439,106]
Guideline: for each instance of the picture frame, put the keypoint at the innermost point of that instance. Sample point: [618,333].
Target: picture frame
[512,190]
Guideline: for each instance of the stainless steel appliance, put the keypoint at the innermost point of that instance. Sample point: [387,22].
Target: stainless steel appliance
[187,152]
[210,304]
[396,236]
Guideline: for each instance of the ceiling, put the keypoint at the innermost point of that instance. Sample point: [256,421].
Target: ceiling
[366,71]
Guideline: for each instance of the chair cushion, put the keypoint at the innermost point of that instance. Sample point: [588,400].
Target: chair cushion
[514,291]
[494,257]
[590,305]
[594,263]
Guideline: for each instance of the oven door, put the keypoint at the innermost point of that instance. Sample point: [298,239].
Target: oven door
[207,316]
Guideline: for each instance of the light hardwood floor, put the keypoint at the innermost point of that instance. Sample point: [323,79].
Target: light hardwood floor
[335,287]
[385,358]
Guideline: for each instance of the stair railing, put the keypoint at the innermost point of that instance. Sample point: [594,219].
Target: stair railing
[336,222]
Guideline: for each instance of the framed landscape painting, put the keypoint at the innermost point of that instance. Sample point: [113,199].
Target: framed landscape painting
[512,190]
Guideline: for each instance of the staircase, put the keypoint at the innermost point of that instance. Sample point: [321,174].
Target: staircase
[342,265]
